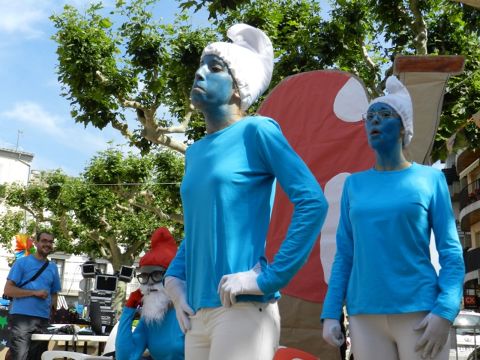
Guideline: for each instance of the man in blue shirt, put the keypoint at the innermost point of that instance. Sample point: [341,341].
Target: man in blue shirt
[33,301]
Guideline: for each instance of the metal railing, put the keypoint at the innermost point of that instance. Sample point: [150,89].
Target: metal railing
[466,196]
[474,330]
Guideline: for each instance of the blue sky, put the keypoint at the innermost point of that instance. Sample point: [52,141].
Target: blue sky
[33,116]
[31,108]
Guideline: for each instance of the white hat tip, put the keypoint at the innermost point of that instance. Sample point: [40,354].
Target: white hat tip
[250,59]
[393,85]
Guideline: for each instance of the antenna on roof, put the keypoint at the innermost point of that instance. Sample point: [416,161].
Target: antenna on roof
[19,132]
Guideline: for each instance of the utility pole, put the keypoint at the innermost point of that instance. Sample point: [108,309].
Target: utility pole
[19,132]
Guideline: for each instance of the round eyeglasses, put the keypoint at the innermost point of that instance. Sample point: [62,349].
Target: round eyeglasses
[156,276]
[381,114]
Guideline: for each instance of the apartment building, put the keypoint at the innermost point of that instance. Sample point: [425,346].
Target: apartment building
[468,170]
[463,178]
[15,167]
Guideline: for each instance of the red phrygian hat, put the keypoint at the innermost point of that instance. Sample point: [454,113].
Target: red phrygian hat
[163,249]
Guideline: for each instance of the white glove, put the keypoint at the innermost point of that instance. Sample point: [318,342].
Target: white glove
[332,332]
[175,289]
[434,336]
[244,282]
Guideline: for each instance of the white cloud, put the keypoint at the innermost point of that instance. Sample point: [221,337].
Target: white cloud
[28,18]
[23,17]
[32,116]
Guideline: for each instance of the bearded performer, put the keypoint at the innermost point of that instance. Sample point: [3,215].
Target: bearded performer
[158,330]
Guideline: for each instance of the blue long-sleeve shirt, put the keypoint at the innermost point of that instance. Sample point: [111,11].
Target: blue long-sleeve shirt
[382,264]
[163,339]
[226,194]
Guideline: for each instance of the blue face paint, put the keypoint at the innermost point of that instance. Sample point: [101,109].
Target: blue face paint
[383,126]
[212,88]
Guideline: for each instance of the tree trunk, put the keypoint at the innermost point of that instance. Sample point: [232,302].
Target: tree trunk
[420,29]
[118,259]
[119,299]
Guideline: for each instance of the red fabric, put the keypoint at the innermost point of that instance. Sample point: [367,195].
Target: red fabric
[288,353]
[163,249]
[303,105]
[134,299]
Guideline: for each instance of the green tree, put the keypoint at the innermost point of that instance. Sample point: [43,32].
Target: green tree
[140,65]
[363,37]
[109,211]
[148,66]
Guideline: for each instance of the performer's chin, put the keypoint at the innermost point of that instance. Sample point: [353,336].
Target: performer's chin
[155,302]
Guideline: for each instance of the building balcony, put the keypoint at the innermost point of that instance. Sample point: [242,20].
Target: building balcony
[472,264]
[469,201]
[466,158]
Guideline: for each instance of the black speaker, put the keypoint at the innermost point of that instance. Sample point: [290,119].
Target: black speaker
[95,314]
[88,270]
[106,283]
[126,273]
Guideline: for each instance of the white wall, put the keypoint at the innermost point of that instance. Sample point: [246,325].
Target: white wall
[4,269]
[14,166]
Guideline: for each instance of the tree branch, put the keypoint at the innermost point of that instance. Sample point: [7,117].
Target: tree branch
[174,217]
[93,235]
[123,128]
[419,28]
[134,248]
[168,142]
[367,58]
[62,224]
[104,253]
[113,247]
[132,104]
[146,116]
[123,208]
[103,220]
[181,128]
[156,134]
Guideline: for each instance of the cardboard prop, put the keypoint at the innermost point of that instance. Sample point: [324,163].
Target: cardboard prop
[320,114]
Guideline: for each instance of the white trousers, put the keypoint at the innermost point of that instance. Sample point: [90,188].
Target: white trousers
[381,337]
[247,330]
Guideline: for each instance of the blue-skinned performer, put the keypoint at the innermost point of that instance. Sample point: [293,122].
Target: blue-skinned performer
[399,308]
[223,289]
[157,330]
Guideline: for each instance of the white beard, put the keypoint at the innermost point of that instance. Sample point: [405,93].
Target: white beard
[155,303]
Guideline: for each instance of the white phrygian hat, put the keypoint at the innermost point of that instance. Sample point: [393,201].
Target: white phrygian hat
[399,99]
[249,58]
